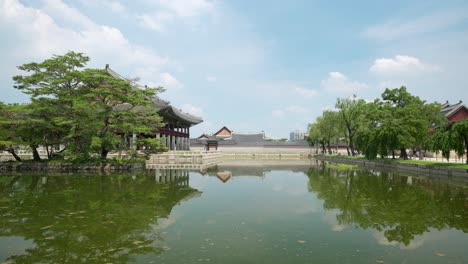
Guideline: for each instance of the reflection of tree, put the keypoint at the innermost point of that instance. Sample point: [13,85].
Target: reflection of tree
[387,203]
[100,219]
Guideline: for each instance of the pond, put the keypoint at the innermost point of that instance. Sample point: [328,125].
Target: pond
[254,212]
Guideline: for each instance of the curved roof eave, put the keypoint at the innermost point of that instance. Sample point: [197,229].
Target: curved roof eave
[186,116]
[159,103]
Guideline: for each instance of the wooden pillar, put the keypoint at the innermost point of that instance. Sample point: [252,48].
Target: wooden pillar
[168,141]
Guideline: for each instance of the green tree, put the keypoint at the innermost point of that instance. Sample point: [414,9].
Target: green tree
[324,131]
[10,121]
[451,136]
[88,111]
[350,110]
[407,119]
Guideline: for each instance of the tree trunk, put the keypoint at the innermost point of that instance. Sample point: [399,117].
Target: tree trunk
[329,148]
[347,150]
[393,154]
[351,146]
[36,155]
[403,154]
[466,146]
[12,152]
[104,153]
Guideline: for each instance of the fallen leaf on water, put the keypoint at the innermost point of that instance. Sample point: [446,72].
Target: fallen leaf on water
[46,227]
[50,238]
[301,241]
[138,242]
[379,261]
[440,254]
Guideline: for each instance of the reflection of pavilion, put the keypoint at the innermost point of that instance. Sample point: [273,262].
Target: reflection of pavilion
[229,169]
[175,176]
[177,129]
[224,176]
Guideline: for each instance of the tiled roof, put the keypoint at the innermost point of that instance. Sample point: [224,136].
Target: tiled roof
[255,137]
[165,106]
[448,109]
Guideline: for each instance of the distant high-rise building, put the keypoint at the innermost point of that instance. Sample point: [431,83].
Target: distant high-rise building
[297,135]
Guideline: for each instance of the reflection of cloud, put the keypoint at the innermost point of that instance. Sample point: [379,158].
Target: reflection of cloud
[306,209]
[330,218]
[291,190]
[382,240]
[164,223]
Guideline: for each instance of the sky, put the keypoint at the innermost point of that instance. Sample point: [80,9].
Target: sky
[252,66]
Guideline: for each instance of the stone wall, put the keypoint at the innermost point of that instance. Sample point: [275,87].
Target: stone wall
[67,167]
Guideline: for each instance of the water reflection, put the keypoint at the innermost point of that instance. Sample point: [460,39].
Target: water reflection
[396,206]
[88,219]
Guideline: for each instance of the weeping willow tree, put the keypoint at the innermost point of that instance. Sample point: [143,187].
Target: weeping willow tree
[451,136]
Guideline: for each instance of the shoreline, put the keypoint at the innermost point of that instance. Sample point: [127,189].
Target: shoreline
[442,172]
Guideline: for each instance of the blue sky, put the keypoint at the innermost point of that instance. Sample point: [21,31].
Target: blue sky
[250,65]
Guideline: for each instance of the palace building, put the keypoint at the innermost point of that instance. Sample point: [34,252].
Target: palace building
[177,129]
[455,112]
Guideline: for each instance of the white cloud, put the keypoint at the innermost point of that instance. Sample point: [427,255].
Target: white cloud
[152,76]
[170,82]
[395,29]
[304,92]
[401,64]
[296,109]
[59,9]
[337,82]
[292,109]
[156,22]
[166,11]
[192,109]
[38,35]
[184,8]
[210,78]
[278,113]
[113,5]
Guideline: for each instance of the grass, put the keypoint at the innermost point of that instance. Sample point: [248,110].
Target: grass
[434,163]
[418,162]
[341,166]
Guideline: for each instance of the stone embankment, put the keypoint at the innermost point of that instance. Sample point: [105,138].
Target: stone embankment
[184,159]
[67,167]
[265,155]
[417,169]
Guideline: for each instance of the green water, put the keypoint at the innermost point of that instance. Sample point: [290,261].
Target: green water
[233,214]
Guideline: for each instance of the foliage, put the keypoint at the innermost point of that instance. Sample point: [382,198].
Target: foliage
[86,111]
[451,136]
[397,122]
[324,131]
[350,110]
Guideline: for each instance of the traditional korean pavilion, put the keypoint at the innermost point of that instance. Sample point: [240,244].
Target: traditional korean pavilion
[177,129]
